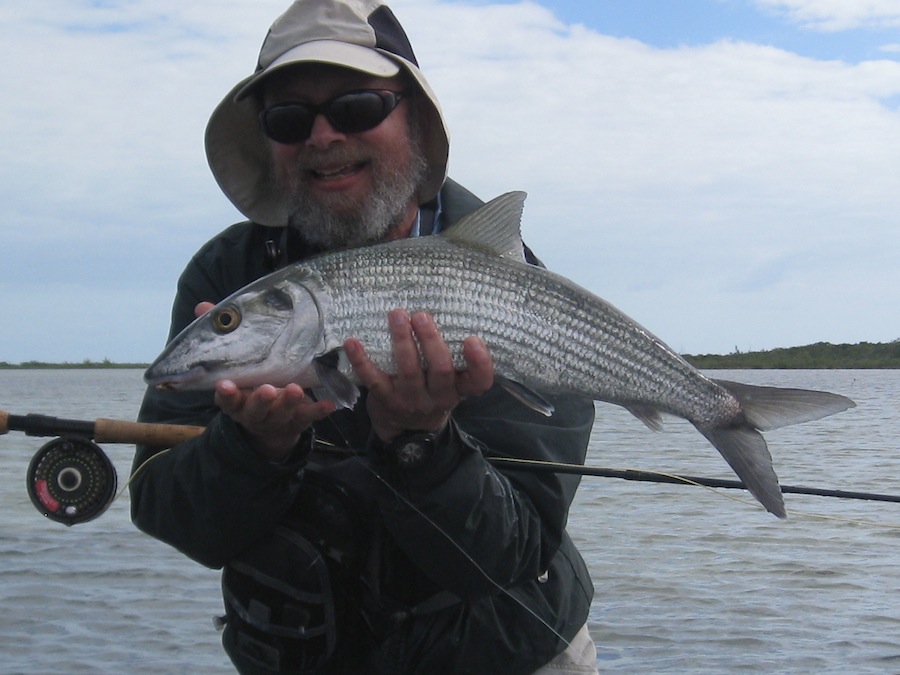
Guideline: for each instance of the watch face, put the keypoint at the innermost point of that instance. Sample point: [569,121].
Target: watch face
[410,453]
[413,450]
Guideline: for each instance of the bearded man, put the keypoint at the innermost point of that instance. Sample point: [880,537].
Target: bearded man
[342,550]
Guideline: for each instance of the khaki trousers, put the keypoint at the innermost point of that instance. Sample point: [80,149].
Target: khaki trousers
[579,657]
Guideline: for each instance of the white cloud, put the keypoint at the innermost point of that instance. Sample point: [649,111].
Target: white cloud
[837,15]
[726,194]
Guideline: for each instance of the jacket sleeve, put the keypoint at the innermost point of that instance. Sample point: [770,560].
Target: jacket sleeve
[463,520]
[213,495]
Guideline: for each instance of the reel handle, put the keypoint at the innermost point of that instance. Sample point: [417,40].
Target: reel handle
[102,430]
[164,435]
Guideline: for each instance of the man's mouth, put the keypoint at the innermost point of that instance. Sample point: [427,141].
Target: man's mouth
[337,173]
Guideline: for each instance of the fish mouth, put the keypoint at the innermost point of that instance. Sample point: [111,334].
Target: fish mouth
[175,381]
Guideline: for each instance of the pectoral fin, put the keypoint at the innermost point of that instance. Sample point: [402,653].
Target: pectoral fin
[336,385]
[526,396]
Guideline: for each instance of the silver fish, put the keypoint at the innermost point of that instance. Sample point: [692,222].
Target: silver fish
[545,333]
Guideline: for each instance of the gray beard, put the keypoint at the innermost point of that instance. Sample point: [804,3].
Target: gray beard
[332,226]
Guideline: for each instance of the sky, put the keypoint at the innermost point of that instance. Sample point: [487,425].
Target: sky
[726,172]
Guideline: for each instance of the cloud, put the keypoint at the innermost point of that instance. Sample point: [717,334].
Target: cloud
[746,187]
[838,15]
[673,181]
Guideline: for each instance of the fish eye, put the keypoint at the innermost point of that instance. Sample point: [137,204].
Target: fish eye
[227,319]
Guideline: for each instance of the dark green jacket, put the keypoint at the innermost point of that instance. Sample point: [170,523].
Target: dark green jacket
[458,527]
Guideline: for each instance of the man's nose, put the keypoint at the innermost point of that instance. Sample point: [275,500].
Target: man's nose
[323,134]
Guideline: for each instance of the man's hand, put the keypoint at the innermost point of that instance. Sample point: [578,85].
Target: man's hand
[416,397]
[274,419]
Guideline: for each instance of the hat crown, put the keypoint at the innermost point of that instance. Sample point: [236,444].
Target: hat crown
[367,23]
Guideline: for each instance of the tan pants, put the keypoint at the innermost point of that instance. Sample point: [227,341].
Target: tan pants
[579,657]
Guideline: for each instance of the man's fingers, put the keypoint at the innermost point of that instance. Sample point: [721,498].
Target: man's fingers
[479,374]
[426,387]
[202,308]
[367,372]
[441,375]
[405,349]
[260,402]
[228,397]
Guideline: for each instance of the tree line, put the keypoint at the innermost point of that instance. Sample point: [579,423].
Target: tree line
[818,355]
[814,356]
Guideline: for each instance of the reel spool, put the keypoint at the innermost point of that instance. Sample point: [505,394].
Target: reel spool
[71,480]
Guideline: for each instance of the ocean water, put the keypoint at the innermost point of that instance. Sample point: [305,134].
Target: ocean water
[688,580]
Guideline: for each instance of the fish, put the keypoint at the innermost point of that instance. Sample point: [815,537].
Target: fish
[546,334]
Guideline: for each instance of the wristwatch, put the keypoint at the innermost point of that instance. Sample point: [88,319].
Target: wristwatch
[411,449]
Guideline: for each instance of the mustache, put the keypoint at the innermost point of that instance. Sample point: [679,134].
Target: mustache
[314,159]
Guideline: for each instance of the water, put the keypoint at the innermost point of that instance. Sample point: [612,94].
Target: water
[688,580]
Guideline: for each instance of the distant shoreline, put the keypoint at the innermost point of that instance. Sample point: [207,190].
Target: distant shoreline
[65,365]
[821,355]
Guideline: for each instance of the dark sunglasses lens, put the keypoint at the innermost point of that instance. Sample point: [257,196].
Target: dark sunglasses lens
[349,113]
[359,111]
[290,123]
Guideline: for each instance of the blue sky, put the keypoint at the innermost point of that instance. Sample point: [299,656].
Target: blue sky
[667,24]
[724,171]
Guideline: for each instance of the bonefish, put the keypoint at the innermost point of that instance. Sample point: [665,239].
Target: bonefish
[544,332]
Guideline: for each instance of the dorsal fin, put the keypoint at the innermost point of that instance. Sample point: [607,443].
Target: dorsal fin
[494,228]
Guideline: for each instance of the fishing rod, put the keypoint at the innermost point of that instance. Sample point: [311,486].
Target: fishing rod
[676,479]
[101,430]
[71,480]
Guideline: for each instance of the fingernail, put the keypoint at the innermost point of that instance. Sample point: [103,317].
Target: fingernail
[398,317]
[226,386]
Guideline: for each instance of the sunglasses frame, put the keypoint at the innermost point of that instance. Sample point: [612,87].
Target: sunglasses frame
[389,100]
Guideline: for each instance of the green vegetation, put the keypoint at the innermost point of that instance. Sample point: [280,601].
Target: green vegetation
[819,355]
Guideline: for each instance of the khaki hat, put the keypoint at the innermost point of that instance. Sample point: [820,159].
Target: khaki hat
[362,35]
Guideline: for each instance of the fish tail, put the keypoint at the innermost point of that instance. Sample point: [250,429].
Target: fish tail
[745,450]
[764,408]
[769,408]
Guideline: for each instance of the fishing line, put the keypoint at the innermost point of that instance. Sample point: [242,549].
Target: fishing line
[134,474]
[687,480]
[675,478]
[446,535]
[465,553]
[670,478]
[841,519]
[792,512]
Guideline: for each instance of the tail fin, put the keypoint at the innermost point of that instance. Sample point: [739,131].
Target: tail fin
[773,407]
[744,448]
[746,452]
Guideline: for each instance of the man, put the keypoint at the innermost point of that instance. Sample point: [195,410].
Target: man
[377,540]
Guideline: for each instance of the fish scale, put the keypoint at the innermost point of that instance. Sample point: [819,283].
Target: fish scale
[545,334]
[556,328]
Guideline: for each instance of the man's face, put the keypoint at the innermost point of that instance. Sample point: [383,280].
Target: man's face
[346,189]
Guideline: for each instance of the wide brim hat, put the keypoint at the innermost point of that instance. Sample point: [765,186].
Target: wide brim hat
[362,35]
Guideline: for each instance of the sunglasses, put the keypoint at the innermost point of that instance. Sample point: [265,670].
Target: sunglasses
[348,113]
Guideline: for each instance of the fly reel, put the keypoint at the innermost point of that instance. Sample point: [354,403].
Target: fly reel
[71,480]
